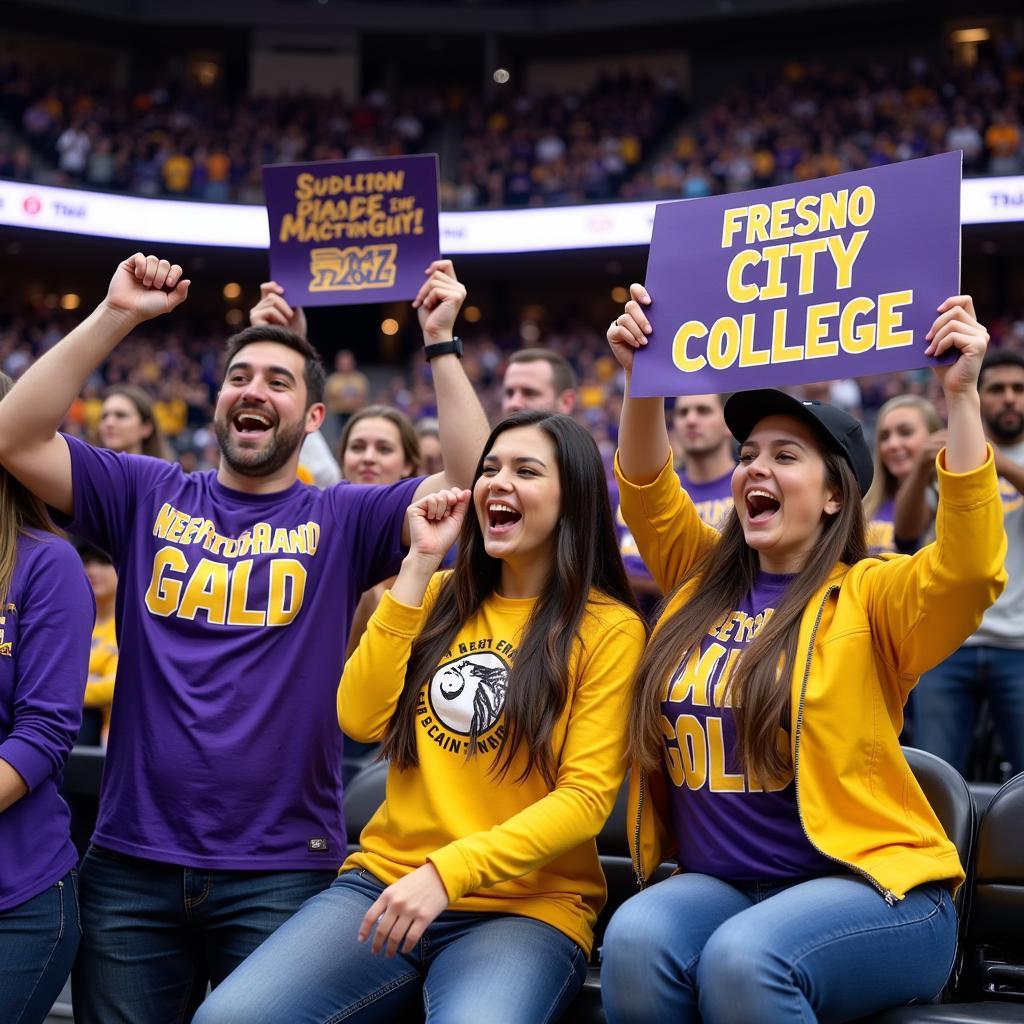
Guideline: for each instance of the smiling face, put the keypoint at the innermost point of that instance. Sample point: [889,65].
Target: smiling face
[374,454]
[518,496]
[261,416]
[781,492]
[121,427]
[902,433]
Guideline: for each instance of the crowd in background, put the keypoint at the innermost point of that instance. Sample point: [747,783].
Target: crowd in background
[628,136]
[179,367]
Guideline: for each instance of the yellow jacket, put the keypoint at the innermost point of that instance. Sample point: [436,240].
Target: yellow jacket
[500,845]
[864,640]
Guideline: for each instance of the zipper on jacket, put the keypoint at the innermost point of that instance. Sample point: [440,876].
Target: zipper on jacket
[638,868]
[887,894]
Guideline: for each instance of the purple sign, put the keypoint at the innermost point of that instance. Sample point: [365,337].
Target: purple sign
[836,277]
[350,231]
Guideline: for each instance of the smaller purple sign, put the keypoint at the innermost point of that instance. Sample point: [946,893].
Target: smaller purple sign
[836,277]
[349,231]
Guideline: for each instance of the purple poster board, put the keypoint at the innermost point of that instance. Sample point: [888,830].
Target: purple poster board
[831,278]
[351,231]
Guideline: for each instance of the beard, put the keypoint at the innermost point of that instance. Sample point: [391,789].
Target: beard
[283,443]
[1006,427]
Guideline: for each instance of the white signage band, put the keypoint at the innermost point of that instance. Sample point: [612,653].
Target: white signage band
[477,232]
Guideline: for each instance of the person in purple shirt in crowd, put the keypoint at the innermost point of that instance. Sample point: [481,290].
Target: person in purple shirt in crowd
[699,434]
[220,811]
[45,632]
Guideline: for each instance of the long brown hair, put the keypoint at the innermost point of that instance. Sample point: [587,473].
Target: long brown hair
[586,558]
[884,484]
[155,444]
[759,685]
[20,510]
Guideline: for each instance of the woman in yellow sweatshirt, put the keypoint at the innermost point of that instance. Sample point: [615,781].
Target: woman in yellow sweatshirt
[814,882]
[500,691]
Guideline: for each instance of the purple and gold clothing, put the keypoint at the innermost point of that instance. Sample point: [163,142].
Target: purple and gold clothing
[232,619]
[881,538]
[725,824]
[45,627]
[712,499]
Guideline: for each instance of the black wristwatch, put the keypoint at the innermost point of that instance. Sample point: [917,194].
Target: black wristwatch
[443,348]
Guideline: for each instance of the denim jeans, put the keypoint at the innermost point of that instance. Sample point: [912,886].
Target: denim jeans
[694,948]
[947,699]
[38,942]
[155,934]
[497,968]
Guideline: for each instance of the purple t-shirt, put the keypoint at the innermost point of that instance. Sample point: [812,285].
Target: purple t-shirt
[713,500]
[233,612]
[45,635]
[724,826]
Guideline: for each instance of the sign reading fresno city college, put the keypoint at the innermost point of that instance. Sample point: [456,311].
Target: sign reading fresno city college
[344,232]
[836,277]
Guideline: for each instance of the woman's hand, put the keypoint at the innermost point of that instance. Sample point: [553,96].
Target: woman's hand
[403,911]
[435,522]
[957,327]
[629,330]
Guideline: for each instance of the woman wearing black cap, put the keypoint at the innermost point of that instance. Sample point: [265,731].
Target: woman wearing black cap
[815,881]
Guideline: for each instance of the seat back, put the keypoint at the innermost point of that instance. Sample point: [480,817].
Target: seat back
[995,929]
[363,795]
[951,800]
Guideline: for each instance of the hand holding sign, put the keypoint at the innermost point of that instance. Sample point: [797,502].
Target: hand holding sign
[438,301]
[956,327]
[273,309]
[629,330]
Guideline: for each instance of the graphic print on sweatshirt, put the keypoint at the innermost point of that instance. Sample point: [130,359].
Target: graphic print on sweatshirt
[466,696]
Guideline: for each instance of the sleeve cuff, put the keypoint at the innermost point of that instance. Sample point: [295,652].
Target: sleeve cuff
[395,617]
[28,761]
[454,871]
[967,490]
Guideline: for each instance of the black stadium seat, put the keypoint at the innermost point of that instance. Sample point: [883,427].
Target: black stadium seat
[363,795]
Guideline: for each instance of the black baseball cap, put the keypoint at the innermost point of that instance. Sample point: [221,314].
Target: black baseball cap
[837,429]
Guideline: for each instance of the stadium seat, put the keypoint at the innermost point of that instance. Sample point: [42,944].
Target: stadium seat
[363,795]
[946,791]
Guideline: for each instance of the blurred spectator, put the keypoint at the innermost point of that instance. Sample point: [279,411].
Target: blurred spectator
[347,390]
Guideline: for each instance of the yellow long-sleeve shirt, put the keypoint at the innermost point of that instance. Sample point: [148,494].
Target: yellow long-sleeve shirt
[500,846]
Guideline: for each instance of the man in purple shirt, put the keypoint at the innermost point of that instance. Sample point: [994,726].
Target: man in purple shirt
[221,804]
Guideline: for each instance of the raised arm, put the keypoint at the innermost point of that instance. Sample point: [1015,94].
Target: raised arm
[643,436]
[30,416]
[462,423]
[374,675]
[922,608]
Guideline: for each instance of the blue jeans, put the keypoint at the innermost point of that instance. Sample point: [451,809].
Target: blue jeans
[155,934]
[694,948]
[497,968]
[947,699]
[38,942]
